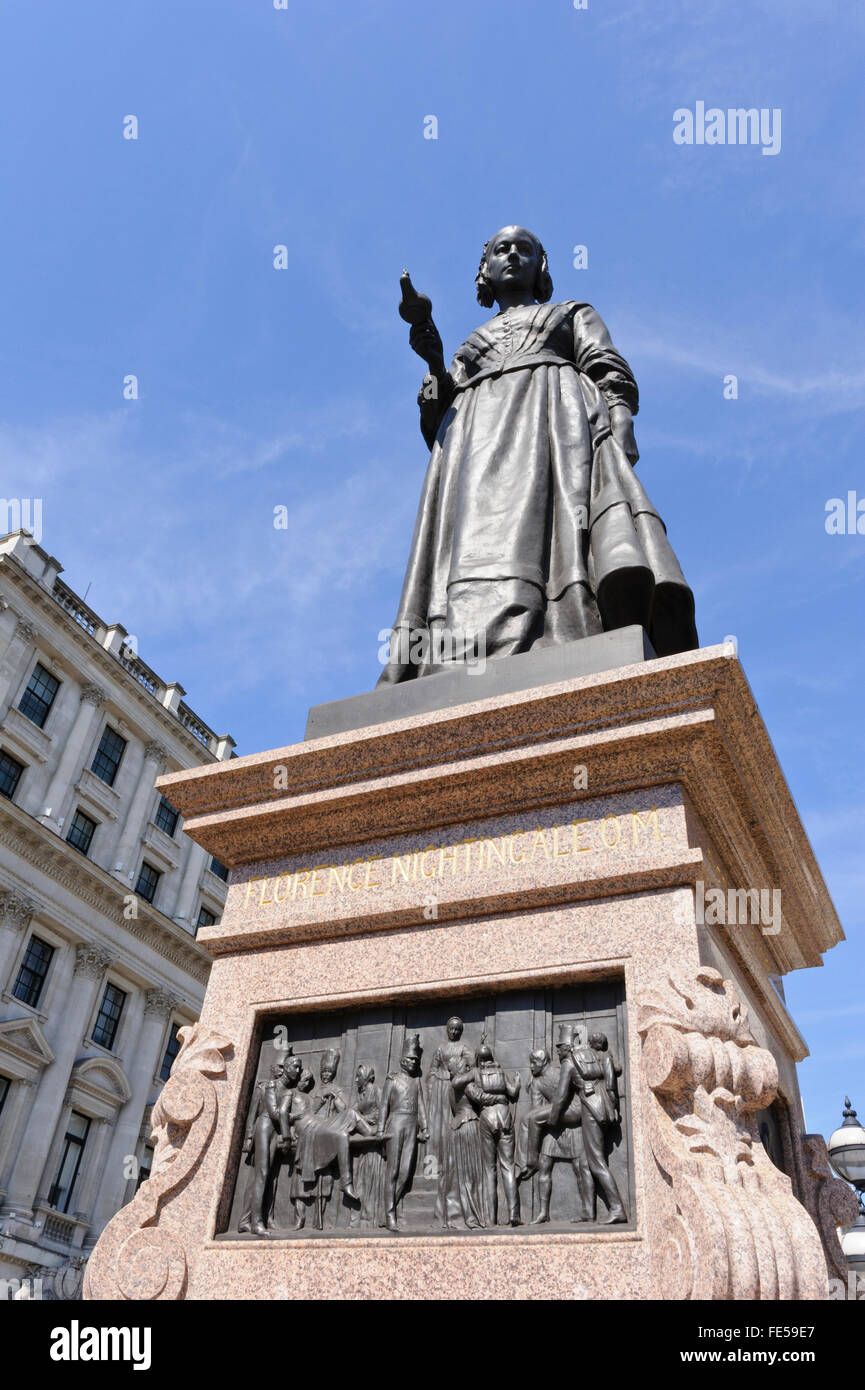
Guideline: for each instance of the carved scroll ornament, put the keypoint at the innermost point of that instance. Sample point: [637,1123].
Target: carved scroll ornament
[739,1232]
[134,1258]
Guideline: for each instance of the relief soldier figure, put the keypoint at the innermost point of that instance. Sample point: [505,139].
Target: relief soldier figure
[268,1133]
[563,1143]
[612,1071]
[493,1094]
[583,1074]
[402,1124]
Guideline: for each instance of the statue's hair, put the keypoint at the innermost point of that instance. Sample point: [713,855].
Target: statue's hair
[543,288]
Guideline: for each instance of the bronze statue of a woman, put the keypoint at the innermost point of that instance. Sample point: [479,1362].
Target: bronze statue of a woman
[533,528]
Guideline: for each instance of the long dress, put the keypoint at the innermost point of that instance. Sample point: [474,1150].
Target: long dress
[533,526]
[438,1084]
[369,1163]
[464,1180]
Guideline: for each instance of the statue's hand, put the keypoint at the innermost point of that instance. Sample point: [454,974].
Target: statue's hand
[622,425]
[425,340]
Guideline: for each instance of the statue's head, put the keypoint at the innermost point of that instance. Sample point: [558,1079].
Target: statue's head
[454,1028]
[291,1071]
[598,1041]
[307,1080]
[566,1039]
[539,1060]
[276,1071]
[411,1054]
[513,260]
[484,1053]
[329,1065]
[365,1075]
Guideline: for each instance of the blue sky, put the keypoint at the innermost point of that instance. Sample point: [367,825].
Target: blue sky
[261,388]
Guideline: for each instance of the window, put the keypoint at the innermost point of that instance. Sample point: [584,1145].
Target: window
[145,1163]
[5,1083]
[148,878]
[105,1027]
[70,1161]
[218,869]
[206,918]
[34,968]
[10,774]
[171,1052]
[166,816]
[81,831]
[39,695]
[108,756]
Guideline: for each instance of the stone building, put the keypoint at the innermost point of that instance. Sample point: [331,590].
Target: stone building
[101,896]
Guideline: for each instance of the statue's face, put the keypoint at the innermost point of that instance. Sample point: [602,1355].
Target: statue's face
[410,1065]
[536,1064]
[291,1071]
[513,260]
[276,1071]
[327,1073]
[563,1049]
[455,1029]
[597,1041]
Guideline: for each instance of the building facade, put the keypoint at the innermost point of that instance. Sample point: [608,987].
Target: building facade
[101,896]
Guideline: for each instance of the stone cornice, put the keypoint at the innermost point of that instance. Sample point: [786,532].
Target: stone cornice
[688,721]
[99,891]
[150,709]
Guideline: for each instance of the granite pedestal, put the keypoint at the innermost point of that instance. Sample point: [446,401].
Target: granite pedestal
[561,851]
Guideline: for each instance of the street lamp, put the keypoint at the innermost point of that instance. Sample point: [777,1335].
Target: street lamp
[847,1155]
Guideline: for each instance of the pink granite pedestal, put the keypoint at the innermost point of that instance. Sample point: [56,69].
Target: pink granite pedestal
[566,834]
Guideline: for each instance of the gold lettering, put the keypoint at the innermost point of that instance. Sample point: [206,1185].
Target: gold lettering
[575,827]
[319,892]
[540,839]
[335,870]
[300,879]
[276,897]
[355,887]
[556,850]
[263,901]
[451,851]
[432,850]
[249,884]
[493,849]
[638,823]
[611,844]
[468,844]
[403,868]
[369,863]
[515,858]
